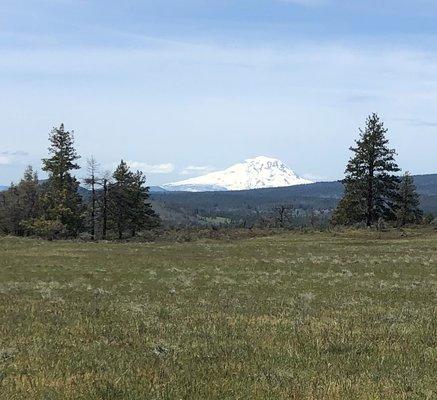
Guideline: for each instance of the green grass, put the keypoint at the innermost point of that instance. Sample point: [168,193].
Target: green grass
[298,316]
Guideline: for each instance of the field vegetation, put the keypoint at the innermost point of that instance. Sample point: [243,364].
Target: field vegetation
[346,315]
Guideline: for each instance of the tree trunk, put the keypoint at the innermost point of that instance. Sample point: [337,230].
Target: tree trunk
[93,211]
[370,189]
[105,208]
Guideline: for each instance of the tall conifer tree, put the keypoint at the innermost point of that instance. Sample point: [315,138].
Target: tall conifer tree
[119,199]
[371,186]
[141,213]
[63,202]
[409,202]
[129,207]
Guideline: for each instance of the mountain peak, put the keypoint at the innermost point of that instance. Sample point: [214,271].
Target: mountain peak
[262,159]
[253,173]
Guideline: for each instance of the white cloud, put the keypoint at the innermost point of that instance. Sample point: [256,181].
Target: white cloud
[5,160]
[197,170]
[317,96]
[14,153]
[16,157]
[165,168]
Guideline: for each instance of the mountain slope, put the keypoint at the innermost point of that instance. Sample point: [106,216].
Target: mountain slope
[254,173]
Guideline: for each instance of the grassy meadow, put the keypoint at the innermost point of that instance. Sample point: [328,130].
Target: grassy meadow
[290,316]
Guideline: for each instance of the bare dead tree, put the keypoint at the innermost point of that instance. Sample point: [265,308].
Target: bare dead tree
[282,215]
[91,181]
[106,180]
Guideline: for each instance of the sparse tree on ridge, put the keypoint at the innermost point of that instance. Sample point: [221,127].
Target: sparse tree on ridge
[409,202]
[371,186]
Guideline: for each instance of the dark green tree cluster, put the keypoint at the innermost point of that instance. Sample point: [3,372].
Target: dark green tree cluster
[115,206]
[408,210]
[20,203]
[129,208]
[373,189]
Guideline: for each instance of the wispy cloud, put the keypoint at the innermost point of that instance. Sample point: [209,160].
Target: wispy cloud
[11,157]
[5,160]
[165,168]
[418,122]
[14,153]
[197,170]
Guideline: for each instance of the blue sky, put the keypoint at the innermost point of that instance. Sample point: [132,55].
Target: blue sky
[182,87]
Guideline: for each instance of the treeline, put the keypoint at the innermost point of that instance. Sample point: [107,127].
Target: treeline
[118,205]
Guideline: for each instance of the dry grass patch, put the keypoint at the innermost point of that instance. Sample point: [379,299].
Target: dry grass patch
[295,316]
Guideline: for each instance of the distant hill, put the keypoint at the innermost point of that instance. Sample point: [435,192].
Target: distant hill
[188,207]
[3,188]
[157,189]
[244,203]
[323,193]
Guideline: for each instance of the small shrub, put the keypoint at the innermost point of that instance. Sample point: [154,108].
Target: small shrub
[47,229]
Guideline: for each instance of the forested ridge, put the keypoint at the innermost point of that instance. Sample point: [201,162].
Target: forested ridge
[118,204]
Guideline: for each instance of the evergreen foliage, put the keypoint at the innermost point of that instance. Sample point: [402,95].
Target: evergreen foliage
[118,205]
[371,186]
[20,204]
[128,202]
[56,207]
[62,201]
[409,202]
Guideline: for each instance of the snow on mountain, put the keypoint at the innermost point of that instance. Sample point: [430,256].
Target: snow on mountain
[254,173]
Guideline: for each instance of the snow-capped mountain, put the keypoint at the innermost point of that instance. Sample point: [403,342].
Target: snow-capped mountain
[254,173]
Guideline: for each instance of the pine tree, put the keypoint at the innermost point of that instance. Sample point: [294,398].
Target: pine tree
[10,213]
[20,204]
[141,213]
[371,188]
[29,192]
[62,200]
[409,202]
[119,198]
[129,207]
